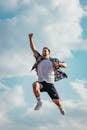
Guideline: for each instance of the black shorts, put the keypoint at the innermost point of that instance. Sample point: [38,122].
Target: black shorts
[50,89]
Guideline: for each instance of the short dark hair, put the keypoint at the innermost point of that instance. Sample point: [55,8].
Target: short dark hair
[47,49]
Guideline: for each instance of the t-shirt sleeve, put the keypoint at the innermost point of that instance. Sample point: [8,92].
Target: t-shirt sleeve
[37,55]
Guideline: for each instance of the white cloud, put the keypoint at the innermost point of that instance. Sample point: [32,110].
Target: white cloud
[16,97]
[64,31]
[85,10]
[59,27]
[15,64]
[48,115]
[80,87]
[3,118]
[55,3]
[57,24]
[9,99]
[10,5]
[12,97]
[48,112]
[3,87]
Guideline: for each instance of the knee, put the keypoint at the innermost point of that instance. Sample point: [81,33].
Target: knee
[35,85]
[57,102]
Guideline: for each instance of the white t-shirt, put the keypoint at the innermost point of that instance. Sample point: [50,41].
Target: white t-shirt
[45,71]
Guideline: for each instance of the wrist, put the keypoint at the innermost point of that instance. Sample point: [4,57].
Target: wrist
[30,35]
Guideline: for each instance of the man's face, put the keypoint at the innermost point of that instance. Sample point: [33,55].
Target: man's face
[45,52]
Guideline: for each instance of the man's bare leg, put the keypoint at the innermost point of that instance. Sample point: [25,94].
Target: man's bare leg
[59,104]
[36,90]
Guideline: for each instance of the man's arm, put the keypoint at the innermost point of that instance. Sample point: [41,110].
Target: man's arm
[60,64]
[32,45]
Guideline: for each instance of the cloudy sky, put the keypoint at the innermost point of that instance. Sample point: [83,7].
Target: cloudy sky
[62,26]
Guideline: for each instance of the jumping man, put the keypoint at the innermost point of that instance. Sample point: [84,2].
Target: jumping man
[47,69]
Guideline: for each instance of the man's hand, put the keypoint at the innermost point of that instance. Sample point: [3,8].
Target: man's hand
[32,45]
[55,65]
[30,35]
[60,64]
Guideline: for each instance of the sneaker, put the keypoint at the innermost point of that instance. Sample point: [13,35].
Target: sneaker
[62,111]
[38,105]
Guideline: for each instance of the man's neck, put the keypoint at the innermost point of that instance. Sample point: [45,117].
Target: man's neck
[46,58]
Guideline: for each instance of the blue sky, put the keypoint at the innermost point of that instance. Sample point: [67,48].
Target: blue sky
[60,25]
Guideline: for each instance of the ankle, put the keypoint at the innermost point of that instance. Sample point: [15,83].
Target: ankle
[38,99]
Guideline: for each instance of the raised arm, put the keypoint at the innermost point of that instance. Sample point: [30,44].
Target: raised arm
[32,45]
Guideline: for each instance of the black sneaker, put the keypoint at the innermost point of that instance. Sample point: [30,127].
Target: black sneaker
[62,111]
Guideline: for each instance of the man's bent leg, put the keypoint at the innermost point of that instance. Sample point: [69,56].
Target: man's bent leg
[36,90]
[50,89]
